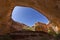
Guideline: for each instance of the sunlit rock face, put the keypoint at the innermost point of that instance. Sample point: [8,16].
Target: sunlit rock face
[17,26]
[49,8]
[53,27]
[49,28]
[40,27]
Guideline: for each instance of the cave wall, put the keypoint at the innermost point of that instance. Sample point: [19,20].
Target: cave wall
[49,8]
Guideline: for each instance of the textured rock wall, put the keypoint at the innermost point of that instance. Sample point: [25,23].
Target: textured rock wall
[49,8]
[41,27]
[30,35]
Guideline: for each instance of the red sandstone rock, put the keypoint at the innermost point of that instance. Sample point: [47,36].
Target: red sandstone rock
[49,8]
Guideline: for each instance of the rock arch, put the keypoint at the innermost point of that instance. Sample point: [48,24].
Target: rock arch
[49,8]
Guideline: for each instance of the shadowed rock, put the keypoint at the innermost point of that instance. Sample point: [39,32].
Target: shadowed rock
[31,35]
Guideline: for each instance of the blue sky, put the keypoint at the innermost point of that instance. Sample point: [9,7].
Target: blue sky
[28,16]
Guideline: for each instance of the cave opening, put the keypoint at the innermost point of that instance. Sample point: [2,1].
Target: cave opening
[28,16]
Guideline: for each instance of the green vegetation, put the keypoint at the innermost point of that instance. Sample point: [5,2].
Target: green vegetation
[57,37]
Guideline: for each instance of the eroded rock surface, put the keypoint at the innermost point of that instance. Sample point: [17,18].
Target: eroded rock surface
[30,35]
[49,8]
